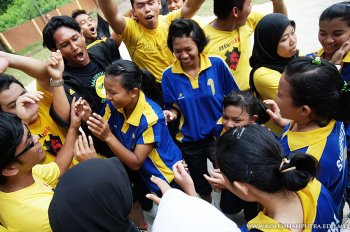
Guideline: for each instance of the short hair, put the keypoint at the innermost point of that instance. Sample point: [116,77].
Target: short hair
[318,85]
[78,12]
[223,8]
[55,23]
[187,28]
[251,154]
[11,133]
[7,80]
[248,103]
[339,10]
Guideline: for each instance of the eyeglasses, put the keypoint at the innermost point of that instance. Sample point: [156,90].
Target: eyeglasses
[29,146]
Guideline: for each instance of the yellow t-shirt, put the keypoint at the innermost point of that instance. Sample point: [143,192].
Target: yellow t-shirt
[234,47]
[148,48]
[51,135]
[27,209]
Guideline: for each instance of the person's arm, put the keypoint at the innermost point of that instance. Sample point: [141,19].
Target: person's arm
[275,114]
[60,101]
[27,105]
[65,155]
[115,19]
[279,6]
[190,7]
[134,160]
[33,67]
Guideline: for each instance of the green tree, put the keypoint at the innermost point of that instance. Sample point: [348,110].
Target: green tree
[4,4]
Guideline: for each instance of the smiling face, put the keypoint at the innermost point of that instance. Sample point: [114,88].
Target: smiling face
[234,116]
[88,26]
[287,46]
[116,93]
[332,34]
[186,51]
[174,4]
[72,46]
[147,12]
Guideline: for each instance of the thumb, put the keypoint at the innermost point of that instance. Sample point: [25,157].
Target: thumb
[154,198]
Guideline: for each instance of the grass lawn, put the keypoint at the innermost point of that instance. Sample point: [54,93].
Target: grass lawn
[37,51]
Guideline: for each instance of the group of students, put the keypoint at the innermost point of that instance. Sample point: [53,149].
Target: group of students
[193,80]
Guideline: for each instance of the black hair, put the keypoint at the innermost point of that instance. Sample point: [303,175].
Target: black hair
[11,133]
[318,85]
[55,23]
[339,10]
[223,8]
[78,12]
[134,77]
[251,154]
[5,82]
[248,103]
[187,28]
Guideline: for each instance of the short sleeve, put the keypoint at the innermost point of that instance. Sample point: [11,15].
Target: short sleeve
[49,173]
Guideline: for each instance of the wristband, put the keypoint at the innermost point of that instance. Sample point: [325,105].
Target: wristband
[54,83]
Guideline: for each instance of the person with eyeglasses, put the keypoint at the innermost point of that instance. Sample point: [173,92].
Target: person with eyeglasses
[25,184]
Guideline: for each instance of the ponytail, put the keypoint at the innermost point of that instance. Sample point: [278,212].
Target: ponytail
[150,87]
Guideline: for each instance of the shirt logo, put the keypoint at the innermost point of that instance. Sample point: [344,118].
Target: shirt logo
[181,96]
[71,91]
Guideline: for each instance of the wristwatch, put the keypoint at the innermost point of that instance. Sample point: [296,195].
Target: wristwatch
[54,83]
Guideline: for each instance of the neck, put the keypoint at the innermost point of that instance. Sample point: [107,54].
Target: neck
[327,56]
[305,125]
[224,24]
[192,70]
[17,182]
[131,106]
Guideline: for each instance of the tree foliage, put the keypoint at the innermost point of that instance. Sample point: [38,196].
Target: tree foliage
[21,11]
[4,4]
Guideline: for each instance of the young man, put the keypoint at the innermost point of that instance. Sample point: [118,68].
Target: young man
[229,35]
[26,185]
[146,37]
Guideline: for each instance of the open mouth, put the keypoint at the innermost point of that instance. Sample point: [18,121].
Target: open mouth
[93,30]
[79,56]
[149,17]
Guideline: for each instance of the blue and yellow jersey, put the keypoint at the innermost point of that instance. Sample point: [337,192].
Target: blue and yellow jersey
[327,145]
[198,99]
[146,125]
[320,213]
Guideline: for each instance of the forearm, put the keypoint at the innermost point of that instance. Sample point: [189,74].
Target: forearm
[65,155]
[279,6]
[129,158]
[60,103]
[30,66]
[110,11]
[190,8]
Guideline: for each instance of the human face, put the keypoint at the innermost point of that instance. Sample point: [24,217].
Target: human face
[287,46]
[174,4]
[8,97]
[234,116]
[116,93]
[244,13]
[147,12]
[88,25]
[28,147]
[186,51]
[332,34]
[285,101]
[72,46]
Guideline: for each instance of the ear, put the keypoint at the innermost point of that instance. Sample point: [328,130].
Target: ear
[10,170]
[134,92]
[241,187]
[160,4]
[235,12]
[253,119]
[305,110]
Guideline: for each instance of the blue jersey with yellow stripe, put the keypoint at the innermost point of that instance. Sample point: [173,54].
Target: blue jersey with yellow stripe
[327,145]
[146,125]
[319,213]
[199,99]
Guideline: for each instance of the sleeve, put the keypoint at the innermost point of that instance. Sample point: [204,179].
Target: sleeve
[48,172]
[172,16]
[167,94]
[266,82]
[151,134]
[253,19]
[131,33]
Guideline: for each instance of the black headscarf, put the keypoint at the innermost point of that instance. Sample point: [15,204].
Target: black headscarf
[94,195]
[267,35]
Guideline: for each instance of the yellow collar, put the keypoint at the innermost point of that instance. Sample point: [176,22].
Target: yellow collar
[346,59]
[204,64]
[136,115]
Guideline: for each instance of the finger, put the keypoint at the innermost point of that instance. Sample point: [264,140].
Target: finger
[162,184]
[76,147]
[81,144]
[85,141]
[91,142]
[154,198]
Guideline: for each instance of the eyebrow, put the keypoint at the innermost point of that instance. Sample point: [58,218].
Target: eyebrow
[14,101]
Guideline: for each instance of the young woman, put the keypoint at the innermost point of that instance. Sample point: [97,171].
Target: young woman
[240,108]
[313,95]
[252,162]
[201,84]
[275,45]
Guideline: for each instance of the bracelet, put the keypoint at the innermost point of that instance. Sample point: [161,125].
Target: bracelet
[54,83]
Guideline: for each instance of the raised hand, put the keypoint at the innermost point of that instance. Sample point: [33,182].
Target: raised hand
[163,186]
[55,66]
[27,105]
[83,148]
[83,109]
[184,179]
[99,127]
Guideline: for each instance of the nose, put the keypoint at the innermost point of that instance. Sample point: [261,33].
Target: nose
[35,139]
[329,39]
[172,6]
